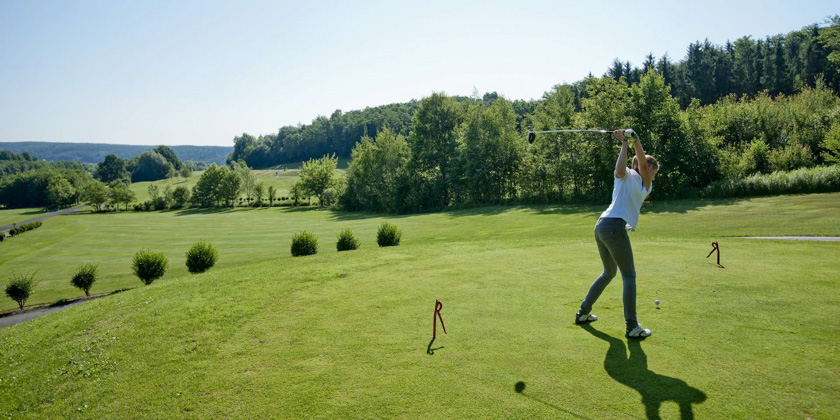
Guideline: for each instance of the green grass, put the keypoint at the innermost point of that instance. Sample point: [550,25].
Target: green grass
[10,216]
[283,182]
[345,334]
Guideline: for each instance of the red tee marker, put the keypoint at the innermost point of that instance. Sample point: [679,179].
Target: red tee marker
[715,248]
[435,316]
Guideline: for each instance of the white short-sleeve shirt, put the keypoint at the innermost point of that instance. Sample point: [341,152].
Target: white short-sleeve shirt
[627,197]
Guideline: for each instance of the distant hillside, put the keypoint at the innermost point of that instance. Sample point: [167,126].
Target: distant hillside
[96,152]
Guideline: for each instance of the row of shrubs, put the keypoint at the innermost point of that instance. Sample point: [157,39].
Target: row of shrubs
[161,203]
[22,228]
[806,180]
[148,266]
[305,243]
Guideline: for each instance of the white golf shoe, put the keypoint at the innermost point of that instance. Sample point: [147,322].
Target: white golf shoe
[585,318]
[638,332]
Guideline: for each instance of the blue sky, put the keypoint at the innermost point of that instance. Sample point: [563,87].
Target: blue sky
[202,72]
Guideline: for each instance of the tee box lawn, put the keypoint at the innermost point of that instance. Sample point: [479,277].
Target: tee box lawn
[339,335]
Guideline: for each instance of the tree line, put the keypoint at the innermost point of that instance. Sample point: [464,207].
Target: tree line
[12,163]
[470,153]
[28,182]
[779,64]
[776,65]
[92,153]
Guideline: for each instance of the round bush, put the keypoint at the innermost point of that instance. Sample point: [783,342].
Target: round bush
[346,241]
[2,236]
[20,288]
[149,266]
[201,256]
[85,277]
[304,243]
[388,235]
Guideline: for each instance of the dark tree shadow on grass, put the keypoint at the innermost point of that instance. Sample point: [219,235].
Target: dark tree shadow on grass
[688,204]
[203,210]
[363,215]
[654,388]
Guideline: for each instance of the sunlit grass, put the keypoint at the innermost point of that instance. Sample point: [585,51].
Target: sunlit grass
[264,334]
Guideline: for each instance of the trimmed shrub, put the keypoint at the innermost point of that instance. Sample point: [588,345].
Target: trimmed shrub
[17,230]
[201,257]
[159,203]
[149,266]
[85,277]
[388,235]
[347,241]
[20,288]
[304,243]
[2,236]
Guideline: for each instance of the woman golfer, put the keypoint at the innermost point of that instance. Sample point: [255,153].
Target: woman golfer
[630,189]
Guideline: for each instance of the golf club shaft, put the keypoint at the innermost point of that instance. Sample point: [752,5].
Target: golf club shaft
[574,131]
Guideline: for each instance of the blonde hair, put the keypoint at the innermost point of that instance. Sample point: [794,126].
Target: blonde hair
[651,161]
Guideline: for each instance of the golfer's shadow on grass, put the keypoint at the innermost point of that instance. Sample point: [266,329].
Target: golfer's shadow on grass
[654,388]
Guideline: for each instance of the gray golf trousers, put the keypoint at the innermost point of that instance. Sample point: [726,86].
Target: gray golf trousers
[614,247]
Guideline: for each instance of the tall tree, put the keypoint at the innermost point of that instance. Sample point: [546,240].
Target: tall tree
[119,193]
[376,172]
[95,193]
[490,153]
[151,166]
[230,186]
[433,142]
[655,116]
[170,157]
[60,192]
[207,191]
[246,176]
[317,175]
[111,169]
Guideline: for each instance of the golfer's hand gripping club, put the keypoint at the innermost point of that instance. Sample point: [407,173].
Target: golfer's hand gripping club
[628,135]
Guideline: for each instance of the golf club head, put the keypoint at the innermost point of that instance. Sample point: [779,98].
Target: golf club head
[531,137]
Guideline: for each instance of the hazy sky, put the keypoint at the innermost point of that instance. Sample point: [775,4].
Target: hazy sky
[202,72]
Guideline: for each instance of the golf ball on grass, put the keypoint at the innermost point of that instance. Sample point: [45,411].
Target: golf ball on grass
[656,302]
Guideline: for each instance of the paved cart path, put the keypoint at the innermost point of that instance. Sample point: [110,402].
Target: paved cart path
[71,210]
[795,238]
[16,318]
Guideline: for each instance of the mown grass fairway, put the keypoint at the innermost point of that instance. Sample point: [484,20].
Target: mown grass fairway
[345,334]
[10,216]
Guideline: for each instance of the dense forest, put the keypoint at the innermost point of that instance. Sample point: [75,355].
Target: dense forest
[746,68]
[93,153]
[12,163]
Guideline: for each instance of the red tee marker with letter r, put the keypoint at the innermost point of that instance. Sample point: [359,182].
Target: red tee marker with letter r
[715,248]
[435,316]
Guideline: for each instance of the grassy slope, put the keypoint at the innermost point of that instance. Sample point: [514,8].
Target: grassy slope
[264,334]
[283,182]
[10,216]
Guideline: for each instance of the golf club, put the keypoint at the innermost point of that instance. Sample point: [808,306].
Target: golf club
[532,135]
